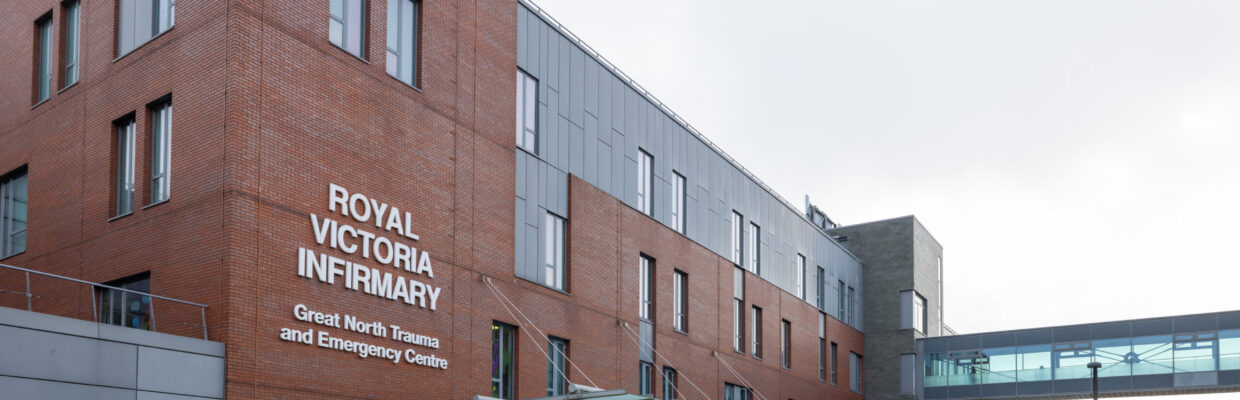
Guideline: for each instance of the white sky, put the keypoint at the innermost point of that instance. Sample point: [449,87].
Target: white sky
[1077,159]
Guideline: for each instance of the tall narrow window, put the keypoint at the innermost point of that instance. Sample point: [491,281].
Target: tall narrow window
[645,182]
[822,359]
[645,378]
[800,276]
[680,287]
[669,383]
[919,313]
[855,381]
[346,27]
[852,306]
[738,310]
[503,367]
[785,343]
[161,151]
[557,368]
[555,271]
[646,283]
[124,167]
[834,363]
[843,301]
[13,204]
[678,203]
[124,307]
[70,41]
[821,288]
[43,60]
[755,259]
[140,20]
[755,331]
[738,238]
[527,112]
[402,40]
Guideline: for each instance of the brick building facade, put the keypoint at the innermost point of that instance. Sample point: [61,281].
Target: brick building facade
[267,113]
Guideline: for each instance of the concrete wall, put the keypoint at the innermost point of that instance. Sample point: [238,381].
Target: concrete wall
[899,255]
[51,357]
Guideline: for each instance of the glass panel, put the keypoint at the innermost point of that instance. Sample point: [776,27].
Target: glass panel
[1033,363]
[1071,360]
[354,29]
[408,39]
[72,26]
[1151,355]
[124,169]
[1113,354]
[518,102]
[1196,355]
[935,374]
[335,32]
[1002,365]
[45,56]
[1229,349]
[393,30]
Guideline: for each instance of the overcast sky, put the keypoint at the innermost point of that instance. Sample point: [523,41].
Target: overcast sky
[1078,160]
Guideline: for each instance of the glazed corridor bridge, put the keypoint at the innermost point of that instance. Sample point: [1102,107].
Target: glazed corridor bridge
[1158,356]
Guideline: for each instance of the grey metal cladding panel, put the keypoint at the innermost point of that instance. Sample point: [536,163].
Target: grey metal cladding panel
[176,372]
[52,356]
[1229,320]
[589,151]
[1114,383]
[535,191]
[531,256]
[963,342]
[576,85]
[617,105]
[1004,339]
[1196,323]
[1034,388]
[934,345]
[553,58]
[590,93]
[1110,330]
[576,150]
[565,74]
[1229,377]
[619,163]
[964,392]
[1034,336]
[1073,386]
[1154,382]
[604,167]
[15,388]
[561,192]
[1160,326]
[999,389]
[519,240]
[605,107]
[522,37]
[520,173]
[142,395]
[561,160]
[935,392]
[540,274]
[1066,334]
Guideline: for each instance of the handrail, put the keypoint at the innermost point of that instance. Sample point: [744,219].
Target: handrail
[202,308]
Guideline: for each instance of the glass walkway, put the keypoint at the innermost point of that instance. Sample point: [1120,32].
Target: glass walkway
[1184,354]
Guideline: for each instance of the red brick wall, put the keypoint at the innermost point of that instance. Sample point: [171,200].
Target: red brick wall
[266,114]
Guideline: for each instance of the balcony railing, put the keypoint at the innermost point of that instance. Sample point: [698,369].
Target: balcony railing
[60,301]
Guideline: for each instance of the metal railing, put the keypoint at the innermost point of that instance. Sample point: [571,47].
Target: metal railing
[202,308]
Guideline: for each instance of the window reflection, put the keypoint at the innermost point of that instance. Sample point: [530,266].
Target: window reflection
[1033,363]
[1114,355]
[1151,355]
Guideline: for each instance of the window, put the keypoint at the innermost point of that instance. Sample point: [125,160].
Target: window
[141,20]
[738,236]
[678,202]
[125,308]
[646,372]
[70,41]
[161,151]
[503,367]
[852,306]
[821,288]
[555,270]
[785,343]
[346,26]
[822,359]
[738,310]
[855,380]
[43,61]
[912,311]
[645,182]
[801,276]
[755,259]
[557,370]
[527,112]
[756,331]
[669,383]
[646,283]
[734,392]
[843,301]
[402,40]
[13,203]
[124,166]
[834,362]
[680,299]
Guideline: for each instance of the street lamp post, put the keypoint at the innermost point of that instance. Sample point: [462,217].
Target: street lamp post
[1093,366]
